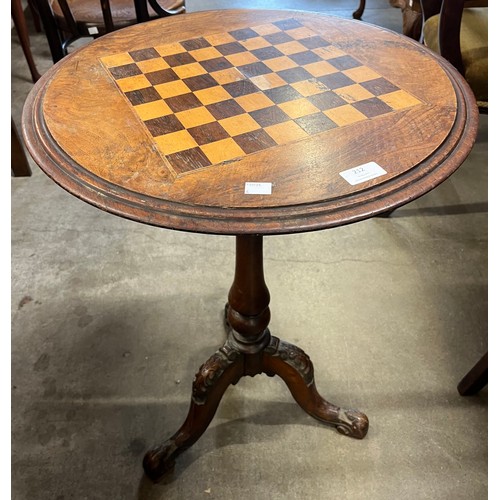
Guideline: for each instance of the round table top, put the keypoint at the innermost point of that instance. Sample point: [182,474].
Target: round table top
[250,121]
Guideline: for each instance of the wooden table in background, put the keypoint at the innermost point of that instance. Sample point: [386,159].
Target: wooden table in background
[250,123]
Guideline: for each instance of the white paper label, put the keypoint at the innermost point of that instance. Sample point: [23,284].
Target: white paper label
[93,30]
[363,173]
[258,187]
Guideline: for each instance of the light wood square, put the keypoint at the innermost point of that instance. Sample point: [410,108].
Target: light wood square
[212,95]
[153,109]
[117,60]
[223,150]
[175,142]
[286,132]
[194,117]
[133,83]
[298,108]
[240,124]
[345,115]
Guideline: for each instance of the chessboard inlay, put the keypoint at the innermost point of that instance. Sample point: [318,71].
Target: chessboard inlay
[218,98]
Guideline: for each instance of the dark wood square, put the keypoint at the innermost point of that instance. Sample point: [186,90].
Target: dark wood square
[288,24]
[163,125]
[282,94]
[161,76]
[241,87]
[252,142]
[305,57]
[243,34]
[200,82]
[191,159]
[293,75]
[144,54]
[269,116]
[326,100]
[314,42]
[183,102]
[344,62]
[225,109]
[119,72]
[336,80]
[316,123]
[379,86]
[210,132]
[254,69]
[216,64]
[267,53]
[277,38]
[179,59]
[195,43]
[230,48]
[142,96]
[372,107]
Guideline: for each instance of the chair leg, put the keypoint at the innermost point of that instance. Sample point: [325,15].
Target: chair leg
[22,32]
[19,161]
[359,11]
[475,379]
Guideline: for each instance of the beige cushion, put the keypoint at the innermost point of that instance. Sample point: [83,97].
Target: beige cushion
[473,44]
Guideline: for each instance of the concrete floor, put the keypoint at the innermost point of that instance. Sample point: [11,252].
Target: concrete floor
[111,319]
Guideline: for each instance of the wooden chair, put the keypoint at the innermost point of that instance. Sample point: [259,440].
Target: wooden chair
[66,21]
[458,31]
[410,11]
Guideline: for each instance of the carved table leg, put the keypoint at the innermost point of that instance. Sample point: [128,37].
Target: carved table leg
[248,351]
[225,367]
[293,365]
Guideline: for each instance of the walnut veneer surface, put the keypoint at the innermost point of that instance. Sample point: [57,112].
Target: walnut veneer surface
[164,123]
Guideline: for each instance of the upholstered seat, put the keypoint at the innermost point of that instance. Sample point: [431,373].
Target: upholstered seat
[471,56]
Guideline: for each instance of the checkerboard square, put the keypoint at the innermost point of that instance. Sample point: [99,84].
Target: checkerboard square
[189,159]
[282,94]
[174,142]
[162,76]
[224,150]
[217,64]
[326,100]
[277,38]
[142,96]
[175,60]
[335,80]
[143,54]
[314,42]
[125,70]
[195,117]
[183,102]
[344,62]
[307,57]
[163,125]
[293,75]
[195,43]
[239,124]
[208,133]
[314,124]
[211,95]
[241,87]
[372,107]
[267,53]
[254,141]
[243,34]
[200,82]
[269,116]
[225,109]
[254,69]
[230,48]
[379,86]
[288,24]
[283,133]
[153,109]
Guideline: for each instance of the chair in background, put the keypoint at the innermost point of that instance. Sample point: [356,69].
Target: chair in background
[17,14]
[458,31]
[19,164]
[410,11]
[66,21]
